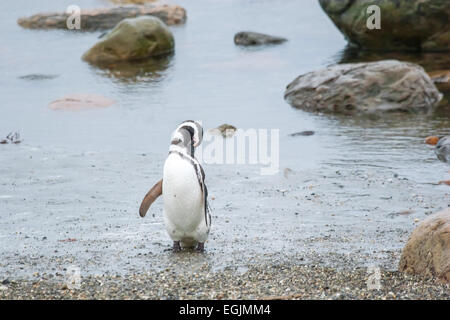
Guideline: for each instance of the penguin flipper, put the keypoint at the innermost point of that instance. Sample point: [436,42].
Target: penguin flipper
[150,197]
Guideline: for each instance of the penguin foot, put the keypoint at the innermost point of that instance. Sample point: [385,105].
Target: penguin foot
[176,246]
[200,247]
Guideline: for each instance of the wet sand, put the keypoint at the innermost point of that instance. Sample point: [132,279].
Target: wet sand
[64,209]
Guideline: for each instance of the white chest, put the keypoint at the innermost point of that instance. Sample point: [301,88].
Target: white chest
[183,199]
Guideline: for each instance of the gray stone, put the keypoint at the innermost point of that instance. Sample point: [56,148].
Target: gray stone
[375,87]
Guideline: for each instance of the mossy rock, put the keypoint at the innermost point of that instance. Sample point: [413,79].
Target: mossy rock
[132,39]
[415,25]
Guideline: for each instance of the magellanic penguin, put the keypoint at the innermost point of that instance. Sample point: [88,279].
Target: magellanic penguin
[186,212]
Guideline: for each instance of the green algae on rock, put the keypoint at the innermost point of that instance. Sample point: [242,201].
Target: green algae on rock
[132,39]
[405,24]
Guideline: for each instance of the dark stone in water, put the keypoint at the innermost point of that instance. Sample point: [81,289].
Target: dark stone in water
[302,133]
[39,76]
[246,38]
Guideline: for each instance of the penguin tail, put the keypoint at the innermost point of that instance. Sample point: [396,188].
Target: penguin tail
[150,197]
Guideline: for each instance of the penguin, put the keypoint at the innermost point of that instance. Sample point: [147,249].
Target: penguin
[187,216]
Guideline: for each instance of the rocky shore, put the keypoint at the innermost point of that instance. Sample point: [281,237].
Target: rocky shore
[266,281]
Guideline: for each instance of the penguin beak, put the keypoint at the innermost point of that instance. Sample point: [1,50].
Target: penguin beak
[195,144]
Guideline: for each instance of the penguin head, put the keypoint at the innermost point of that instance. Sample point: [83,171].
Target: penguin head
[195,130]
[182,138]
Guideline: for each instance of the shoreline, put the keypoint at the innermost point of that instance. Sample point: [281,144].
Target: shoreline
[266,281]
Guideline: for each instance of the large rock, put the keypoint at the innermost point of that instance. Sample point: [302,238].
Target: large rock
[427,252]
[442,149]
[382,86]
[405,24]
[247,38]
[132,39]
[107,18]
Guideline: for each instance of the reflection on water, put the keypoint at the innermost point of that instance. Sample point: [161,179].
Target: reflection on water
[148,70]
[430,61]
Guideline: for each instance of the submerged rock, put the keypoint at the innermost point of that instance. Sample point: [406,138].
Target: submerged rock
[382,86]
[246,38]
[225,130]
[302,133]
[427,252]
[107,18]
[442,149]
[132,39]
[38,76]
[81,102]
[405,24]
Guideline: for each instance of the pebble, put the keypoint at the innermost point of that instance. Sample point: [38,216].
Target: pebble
[263,281]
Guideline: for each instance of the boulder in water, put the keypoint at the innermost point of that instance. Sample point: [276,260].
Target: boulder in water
[132,39]
[404,24]
[375,87]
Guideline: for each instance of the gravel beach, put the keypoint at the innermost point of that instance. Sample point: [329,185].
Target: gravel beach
[259,282]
